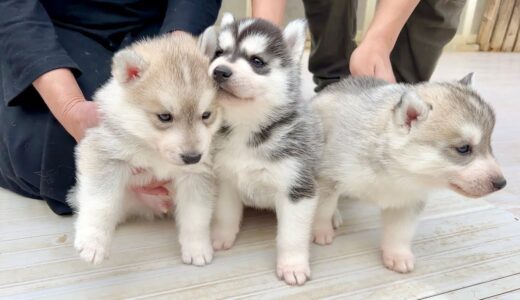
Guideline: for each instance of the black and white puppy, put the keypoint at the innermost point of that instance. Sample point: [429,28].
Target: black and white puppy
[271,144]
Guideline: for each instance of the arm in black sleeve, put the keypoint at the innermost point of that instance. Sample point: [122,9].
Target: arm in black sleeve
[28,47]
[192,16]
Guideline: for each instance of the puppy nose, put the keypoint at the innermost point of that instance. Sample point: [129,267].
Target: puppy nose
[191,158]
[499,184]
[221,73]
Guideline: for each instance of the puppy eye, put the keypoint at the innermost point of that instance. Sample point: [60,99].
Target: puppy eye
[218,53]
[165,118]
[206,115]
[257,61]
[464,150]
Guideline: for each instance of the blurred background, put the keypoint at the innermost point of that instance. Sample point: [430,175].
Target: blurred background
[486,25]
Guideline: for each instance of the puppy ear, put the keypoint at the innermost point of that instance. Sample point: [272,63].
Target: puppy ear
[227,19]
[294,35]
[467,80]
[208,42]
[128,66]
[411,110]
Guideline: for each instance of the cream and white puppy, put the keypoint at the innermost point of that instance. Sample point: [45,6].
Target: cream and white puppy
[159,115]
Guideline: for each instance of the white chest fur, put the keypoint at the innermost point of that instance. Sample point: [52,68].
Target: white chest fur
[258,180]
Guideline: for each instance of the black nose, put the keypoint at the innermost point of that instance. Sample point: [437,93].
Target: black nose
[191,158]
[221,73]
[499,184]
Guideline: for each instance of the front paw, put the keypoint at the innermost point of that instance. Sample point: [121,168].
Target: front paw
[223,238]
[337,219]
[197,253]
[398,259]
[323,232]
[91,248]
[293,272]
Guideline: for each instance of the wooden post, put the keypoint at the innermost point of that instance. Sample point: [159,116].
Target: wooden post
[504,15]
[513,29]
[487,24]
[517,45]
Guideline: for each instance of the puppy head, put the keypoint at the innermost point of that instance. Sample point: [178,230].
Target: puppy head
[445,135]
[168,100]
[255,60]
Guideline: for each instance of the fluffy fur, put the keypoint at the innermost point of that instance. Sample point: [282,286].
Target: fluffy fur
[392,144]
[163,78]
[271,141]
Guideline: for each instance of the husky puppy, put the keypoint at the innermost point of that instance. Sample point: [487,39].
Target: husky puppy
[271,140]
[392,144]
[159,114]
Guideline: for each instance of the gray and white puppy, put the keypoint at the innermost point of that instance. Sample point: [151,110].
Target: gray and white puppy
[272,140]
[392,144]
[159,115]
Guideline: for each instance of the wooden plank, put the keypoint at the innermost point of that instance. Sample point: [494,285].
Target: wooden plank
[441,244]
[487,289]
[512,295]
[504,15]
[488,24]
[517,44]
[512,30]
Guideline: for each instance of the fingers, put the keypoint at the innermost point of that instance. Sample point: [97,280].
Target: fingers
[384,71]
[367,60]
[155,187]
[136,171]
[378,68]
[357,69]
[160,204]
[157,183]
[156,191]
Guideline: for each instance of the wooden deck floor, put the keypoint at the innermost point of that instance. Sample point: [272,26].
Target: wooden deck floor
[466,249]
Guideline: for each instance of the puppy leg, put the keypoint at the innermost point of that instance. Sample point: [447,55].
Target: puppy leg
[294,231]
[195,197]
[227,217]
[398,229]
[337,219]
[327,216]
[100,208]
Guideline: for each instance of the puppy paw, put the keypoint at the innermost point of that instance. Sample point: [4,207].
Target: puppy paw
[92,250]
[323,233]
[293,273]
[198,254]
[337,219]
[400,260]
[223,238]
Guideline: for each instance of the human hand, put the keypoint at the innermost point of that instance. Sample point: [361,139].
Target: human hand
[78,117]
[154,188]
[155,194]
[180,33]
[372,58]
[60,91]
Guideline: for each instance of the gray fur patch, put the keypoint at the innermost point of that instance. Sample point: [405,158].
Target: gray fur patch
[265,131]
[224,131]
[304,187]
